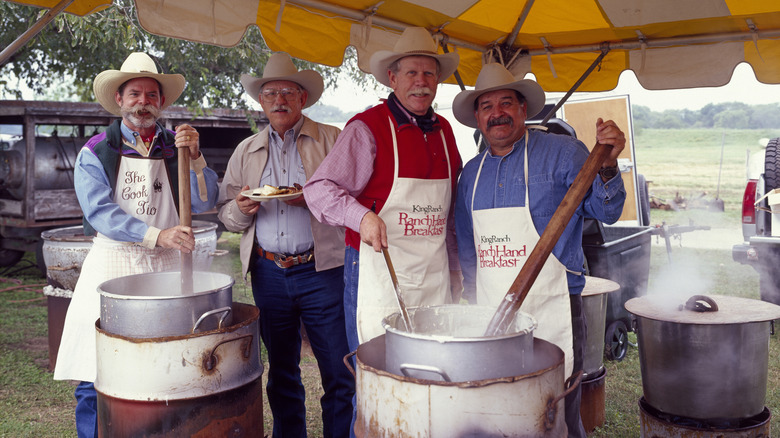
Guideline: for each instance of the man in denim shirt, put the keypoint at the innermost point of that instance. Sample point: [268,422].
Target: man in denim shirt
[506,197]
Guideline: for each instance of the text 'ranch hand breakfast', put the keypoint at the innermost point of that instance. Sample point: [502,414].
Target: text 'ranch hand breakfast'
[268,190]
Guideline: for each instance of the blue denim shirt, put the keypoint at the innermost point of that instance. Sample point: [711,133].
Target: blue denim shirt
[554,162]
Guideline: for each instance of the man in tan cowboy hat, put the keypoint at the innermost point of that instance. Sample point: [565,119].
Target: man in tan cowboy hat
[126,184]
[296,263]
[511,190]
[389,181]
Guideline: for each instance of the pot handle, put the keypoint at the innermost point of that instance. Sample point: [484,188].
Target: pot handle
[701,303]
[224,310]
[425,368]
[552,405]
[346,362]
[211,360]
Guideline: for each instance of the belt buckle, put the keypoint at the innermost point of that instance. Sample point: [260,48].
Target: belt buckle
[279,261]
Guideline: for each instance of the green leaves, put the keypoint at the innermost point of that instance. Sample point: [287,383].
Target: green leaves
[75,49]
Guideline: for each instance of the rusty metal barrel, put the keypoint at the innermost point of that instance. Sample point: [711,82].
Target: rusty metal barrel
[390,405]
[202,384]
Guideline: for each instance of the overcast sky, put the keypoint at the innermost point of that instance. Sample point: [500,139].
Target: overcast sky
[743,88]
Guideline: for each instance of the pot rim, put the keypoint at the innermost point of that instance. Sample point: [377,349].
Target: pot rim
[460,339]
[117,296]
[731,310]
[552,355]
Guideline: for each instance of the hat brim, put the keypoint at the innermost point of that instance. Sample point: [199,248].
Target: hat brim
[463,104]
[381,60]
[107,83]
[310,80]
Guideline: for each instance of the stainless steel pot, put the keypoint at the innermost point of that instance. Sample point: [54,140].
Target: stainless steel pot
[528,405]
[594,306]
[180,367]
[707,358]
[448,344]
[152,305]
[64,251]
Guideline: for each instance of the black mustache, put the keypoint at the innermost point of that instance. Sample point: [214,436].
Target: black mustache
[499,121]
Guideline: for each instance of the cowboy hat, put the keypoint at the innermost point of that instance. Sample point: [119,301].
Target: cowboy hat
[415,41]
[494,77]
[137,65]
[280,67]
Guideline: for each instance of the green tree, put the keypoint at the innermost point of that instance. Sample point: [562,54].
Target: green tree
[75,49]
[732,119]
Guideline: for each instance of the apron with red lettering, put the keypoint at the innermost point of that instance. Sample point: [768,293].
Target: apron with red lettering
[143,190]
[416,218]
[504,238]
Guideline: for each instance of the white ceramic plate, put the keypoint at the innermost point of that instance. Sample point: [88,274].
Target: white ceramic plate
[260,198]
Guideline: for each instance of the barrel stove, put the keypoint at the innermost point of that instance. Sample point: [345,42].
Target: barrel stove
[198,385]
[392,405]
[704,365]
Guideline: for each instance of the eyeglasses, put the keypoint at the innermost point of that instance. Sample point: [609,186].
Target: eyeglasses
[288,94]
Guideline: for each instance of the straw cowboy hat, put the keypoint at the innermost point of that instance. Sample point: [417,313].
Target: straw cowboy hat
[137,65]
[493,77]
[281,68]
[415,41]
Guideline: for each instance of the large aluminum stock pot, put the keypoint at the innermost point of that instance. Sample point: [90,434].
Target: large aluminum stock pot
[448,344]
[706,358]
[153,305]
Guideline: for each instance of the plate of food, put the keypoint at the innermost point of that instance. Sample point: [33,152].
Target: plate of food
[269,192]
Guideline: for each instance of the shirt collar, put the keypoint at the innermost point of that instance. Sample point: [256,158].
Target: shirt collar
[295,131]
[515,146]
[130,136]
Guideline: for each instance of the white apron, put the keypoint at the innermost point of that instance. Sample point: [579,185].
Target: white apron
[143,190]
[416,218]
[504,238]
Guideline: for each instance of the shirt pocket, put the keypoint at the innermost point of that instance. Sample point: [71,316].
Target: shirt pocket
[541,193]
[265,177]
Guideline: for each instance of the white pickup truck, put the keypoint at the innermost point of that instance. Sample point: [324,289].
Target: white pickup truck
[760,248]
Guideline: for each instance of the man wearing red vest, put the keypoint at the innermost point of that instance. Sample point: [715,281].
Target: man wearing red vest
[390,180]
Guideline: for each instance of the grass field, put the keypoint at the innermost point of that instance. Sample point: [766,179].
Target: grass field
[687,162]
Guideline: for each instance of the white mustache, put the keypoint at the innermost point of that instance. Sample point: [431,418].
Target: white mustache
[151,109]
[423,90]
[281,108]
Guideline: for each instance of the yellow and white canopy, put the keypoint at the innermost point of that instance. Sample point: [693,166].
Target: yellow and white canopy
[667,43]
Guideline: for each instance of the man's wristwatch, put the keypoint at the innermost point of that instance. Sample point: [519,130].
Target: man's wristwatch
[609,172]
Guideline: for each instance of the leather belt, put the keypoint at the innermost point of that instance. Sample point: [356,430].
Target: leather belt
[285,261]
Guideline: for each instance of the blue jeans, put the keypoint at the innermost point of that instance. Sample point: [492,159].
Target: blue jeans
[287,297]
[351,275]
[86,410]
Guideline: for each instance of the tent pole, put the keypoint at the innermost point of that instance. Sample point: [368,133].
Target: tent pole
[33,30]
[604,51]
[510,39]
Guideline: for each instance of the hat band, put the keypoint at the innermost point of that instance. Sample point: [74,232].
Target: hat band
[420,52]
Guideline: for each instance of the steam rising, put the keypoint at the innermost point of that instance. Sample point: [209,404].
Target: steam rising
[679,280]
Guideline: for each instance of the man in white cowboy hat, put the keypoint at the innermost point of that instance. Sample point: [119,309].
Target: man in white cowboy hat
[390,181]
[126,184]
[511,190]
[295,262]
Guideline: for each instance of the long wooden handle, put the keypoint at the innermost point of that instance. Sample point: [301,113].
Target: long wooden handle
[185,216]
[530,270]
[399,297]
